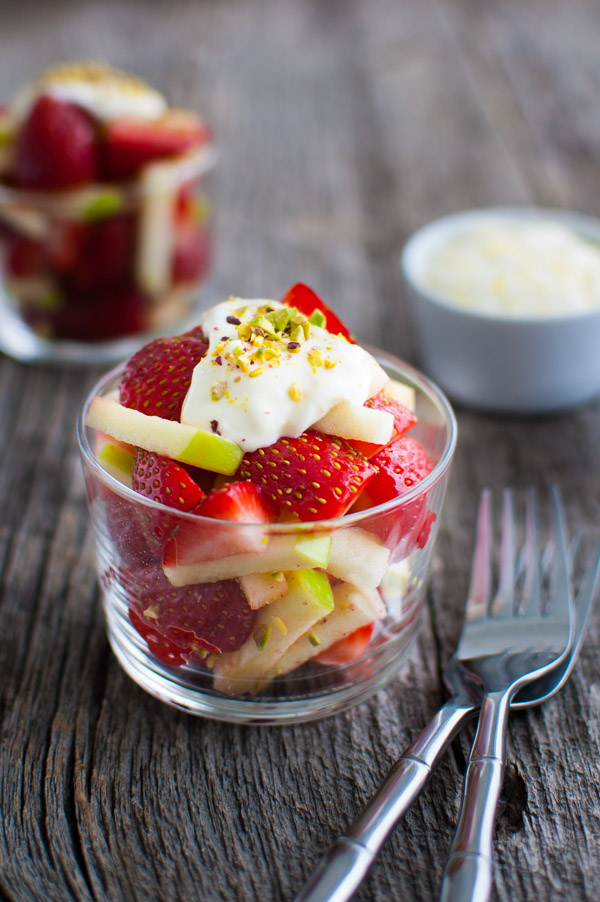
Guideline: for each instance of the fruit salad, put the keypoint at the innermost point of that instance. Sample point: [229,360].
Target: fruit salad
[104,223]
[268,453]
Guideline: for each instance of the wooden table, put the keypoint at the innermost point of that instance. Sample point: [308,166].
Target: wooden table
[343,127]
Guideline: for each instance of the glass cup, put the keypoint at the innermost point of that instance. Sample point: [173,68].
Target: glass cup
[164,572]
[88,275]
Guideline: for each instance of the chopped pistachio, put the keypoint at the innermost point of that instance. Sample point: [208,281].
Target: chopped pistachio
[313,639]
[295,391]
[317,318]
[262,636]
[218,390]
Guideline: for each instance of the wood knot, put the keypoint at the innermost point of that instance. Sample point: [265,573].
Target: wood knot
[512,804]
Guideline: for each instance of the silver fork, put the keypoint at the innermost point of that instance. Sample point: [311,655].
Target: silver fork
[343,868]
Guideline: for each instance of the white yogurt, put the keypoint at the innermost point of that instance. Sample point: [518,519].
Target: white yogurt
[537,268]
[282,397]
[106,93]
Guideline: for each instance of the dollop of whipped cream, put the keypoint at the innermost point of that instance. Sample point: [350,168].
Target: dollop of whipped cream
[106,93]
[269,373]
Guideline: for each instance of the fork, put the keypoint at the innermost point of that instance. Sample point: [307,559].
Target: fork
[341,871]
[503,659]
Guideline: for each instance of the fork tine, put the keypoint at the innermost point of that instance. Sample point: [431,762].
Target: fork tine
[531,594]
[478,598]
[560,595]
[503,603]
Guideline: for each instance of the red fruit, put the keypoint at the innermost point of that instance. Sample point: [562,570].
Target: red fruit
[64,243]
[25,258]
[162,479]
[157,377]
[56,147]
[314,477]
[347,649]
[306,301]
[102,316]
[240,501]
[105,255]
[191,253]
[183,621]
[130,142]
[404,419]
[400,466]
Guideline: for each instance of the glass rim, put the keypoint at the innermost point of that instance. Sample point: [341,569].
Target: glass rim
[419,381]
[187,165]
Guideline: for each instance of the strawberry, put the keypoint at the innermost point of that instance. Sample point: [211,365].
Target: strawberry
[404,419]
[240,501]
[131,142]
[192,253]
[57,146]
[307,302]
[162,479]
[101,316]
[25,258]
[63,244]
[178,623]
[157,377]
[400,466]
[105,257]
[347,649]
[313,477]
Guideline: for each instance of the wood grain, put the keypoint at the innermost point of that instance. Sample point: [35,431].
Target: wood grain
[343,126]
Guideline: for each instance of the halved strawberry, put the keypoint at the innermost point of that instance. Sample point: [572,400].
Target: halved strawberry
[162,479]
[313,477]
[25,258]
[56,147]
[306,301]
[404,419]
[105,255]
[131,142]
[101,316]
[400,466]
[347,649]
[242,502]
[214,617]
[157,377]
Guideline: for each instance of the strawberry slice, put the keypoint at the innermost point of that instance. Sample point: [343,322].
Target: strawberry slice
[131,142]
[240,501]
[404,419]
[57,146]
[400,466]
[179,623]
[306,301]
[313,477]
[25,258]
[347,649]
[105,255]
[162,479]
[157,377]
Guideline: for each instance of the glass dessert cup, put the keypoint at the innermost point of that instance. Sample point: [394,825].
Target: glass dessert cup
[87,275]
[383,553]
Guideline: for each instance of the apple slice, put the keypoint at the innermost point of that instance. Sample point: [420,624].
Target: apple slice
[277,627]
[270,554]
[167,437]
[353,421]
[117,461]
[159,184]
[35,293]
[402,393]
[263,588]
[354,556]
[352,609]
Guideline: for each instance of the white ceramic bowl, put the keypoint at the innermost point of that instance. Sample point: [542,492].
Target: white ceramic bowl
[502,363]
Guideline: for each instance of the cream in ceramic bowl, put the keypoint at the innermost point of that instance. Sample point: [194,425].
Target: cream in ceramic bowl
[505,306]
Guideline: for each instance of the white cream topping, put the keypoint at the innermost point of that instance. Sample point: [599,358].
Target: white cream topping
[104,92]
[537,268]
[281,396]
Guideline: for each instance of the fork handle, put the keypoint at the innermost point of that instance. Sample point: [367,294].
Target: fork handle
[468,873]
[344,867]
